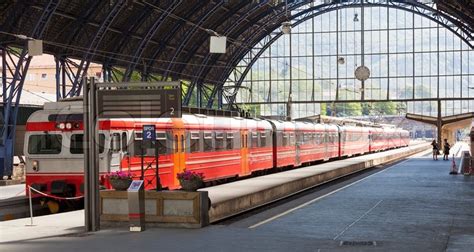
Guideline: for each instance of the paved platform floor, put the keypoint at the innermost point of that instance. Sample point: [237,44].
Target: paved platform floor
[412,206]
[11,191]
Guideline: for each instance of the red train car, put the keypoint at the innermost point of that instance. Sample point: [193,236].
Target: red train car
[354,141]
[219,147]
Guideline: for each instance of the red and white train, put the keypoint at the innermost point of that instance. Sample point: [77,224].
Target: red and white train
[219,147]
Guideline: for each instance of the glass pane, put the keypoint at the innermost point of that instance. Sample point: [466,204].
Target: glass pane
[45,144]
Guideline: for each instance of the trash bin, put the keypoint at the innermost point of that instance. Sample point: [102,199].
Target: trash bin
[466,163]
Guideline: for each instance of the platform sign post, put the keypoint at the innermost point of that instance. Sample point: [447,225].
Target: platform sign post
[136,206]
[149,141]
[148,137]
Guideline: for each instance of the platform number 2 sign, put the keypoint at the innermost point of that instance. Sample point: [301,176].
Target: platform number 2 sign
[149,132]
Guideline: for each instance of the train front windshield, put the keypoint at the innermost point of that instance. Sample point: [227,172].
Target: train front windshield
[45,144]
[50,144]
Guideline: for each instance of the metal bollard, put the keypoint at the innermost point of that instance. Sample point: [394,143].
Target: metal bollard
[31,207]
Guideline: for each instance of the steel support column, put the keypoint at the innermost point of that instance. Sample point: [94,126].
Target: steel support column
[12,90]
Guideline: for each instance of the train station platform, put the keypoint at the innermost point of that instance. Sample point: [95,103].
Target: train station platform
[414,205]
[231,198]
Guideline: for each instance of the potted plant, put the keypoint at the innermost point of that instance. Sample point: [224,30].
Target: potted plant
[190,181]
[120,180]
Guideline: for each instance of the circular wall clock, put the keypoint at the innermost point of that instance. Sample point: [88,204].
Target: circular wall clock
[362,73]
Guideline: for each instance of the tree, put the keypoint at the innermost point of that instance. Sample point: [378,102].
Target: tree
[349,109]
[386,108]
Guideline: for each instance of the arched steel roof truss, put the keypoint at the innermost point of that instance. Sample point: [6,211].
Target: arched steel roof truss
[424,10]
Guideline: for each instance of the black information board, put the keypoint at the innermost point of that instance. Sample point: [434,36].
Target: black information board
[139,100]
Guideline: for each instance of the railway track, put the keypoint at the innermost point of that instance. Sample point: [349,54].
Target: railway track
[14,208]
[19,207]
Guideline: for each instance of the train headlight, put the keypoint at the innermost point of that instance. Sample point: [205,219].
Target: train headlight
[68,126]
[35,165]
[61,126]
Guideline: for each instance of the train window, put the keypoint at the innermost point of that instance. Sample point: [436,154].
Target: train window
[45,144]
[230,140]
[286,141]
[115,142]
[300,137]
[208,141]
[263,139]
[161,141]
[124,142]
[318,138]
[77,141]
[308,137]
[254,142]
[292,138]
[195,142]
[175,143]
[220,141]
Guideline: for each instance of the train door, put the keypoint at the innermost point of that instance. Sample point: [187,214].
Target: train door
[178,153]
[244,152]
[371,146]
[125,155]
[341,140]
[298,138]
[321,136]
[115,152]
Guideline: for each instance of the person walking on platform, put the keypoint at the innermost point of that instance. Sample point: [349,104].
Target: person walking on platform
[435,149]
[446,148]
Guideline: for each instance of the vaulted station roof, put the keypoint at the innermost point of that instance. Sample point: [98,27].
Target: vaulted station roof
[165,37]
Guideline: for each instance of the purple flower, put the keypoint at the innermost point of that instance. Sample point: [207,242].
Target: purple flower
[119,175]
[190,175]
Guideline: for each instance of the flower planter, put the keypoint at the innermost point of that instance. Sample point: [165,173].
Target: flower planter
[120,184]
[190,185]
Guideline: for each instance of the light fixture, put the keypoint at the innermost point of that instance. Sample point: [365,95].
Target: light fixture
[341,60]
[286,27]
[35,165]
[356,17]
[61,126]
